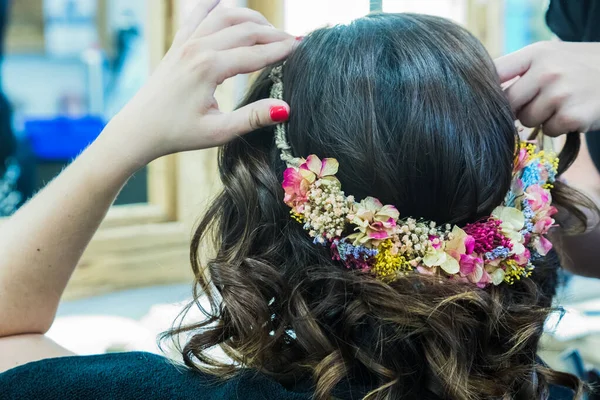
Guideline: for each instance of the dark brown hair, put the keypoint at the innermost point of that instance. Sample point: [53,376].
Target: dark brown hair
[411,107]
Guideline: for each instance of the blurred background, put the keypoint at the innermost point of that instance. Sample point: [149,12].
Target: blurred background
[69,65]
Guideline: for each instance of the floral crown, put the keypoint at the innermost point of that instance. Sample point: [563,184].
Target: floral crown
[370,236]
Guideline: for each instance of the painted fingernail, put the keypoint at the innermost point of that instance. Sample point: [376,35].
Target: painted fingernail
[299,38]
[279,114]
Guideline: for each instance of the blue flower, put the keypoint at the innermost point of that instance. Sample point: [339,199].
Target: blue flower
[319,240]
[531,176]
[551,172]
[498,252]
[357,252]
[535,256]
[509,200]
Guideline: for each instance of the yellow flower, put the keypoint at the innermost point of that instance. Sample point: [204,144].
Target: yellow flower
[388,262]
[514,272]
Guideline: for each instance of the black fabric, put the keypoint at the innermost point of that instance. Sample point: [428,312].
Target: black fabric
[130,376]
[138,375]
[578,21]
[574,20]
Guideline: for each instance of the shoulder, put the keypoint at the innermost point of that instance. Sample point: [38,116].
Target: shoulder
[132,375]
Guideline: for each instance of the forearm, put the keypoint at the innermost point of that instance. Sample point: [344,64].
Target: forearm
[42,243]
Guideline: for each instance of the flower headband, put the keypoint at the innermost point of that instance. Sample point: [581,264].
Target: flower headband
[370,236]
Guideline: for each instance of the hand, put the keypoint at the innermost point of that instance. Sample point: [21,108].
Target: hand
[176,109]
[558,86]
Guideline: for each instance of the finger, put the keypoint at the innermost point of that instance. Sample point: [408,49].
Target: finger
[565,121]
[514,64]
[554,126]
[244,35]
[198,14]
[223,17]
[537,111]
[244,60]
[525,89]
[249,118]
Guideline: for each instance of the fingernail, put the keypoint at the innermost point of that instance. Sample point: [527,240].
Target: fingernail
[279,114]
[299,38]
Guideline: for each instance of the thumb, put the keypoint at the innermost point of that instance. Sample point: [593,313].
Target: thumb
[254,116]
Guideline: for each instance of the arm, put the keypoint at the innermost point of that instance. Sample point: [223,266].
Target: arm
[175,111]
[42,243]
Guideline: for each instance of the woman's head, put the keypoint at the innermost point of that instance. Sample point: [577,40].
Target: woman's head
[411,107]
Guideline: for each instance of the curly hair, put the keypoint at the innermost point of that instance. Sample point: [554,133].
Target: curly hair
[411,107]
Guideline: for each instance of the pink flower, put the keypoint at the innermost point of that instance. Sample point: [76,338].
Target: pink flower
[543,220]
[469,244]
[523,258]
[543,225]
[449,255]
[543,173]
[426,270]
[487,278]
[542,245]
[537,197]
[321,169]
[487,236]
[373,220]
[461,243]
[436,242]
[521,161]
[296,188]
[297,181]
[471,267]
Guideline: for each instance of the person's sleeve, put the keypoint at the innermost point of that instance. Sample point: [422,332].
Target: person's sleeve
[566,19]
[132,376]
[115,376]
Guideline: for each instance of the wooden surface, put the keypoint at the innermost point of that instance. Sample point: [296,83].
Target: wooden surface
[134,256]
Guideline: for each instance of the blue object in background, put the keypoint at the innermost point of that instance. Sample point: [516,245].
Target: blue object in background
[518,14]
[524,23]
[62,138]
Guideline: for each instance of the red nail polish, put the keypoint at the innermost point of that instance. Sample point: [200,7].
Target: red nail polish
[279,113]
[299,38]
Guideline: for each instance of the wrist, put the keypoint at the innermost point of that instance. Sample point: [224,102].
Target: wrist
[124,144]
[111,159]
